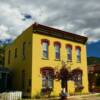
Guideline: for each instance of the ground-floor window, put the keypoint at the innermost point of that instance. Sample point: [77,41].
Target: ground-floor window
[77,78]
[47,79]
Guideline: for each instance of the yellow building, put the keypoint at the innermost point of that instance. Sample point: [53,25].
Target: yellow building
[39,52]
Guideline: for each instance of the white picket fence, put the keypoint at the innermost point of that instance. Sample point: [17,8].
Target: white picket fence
[11,96]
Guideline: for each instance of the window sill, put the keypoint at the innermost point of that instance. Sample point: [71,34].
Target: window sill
[45,58]
[69,60]
[57,60]
[78,61]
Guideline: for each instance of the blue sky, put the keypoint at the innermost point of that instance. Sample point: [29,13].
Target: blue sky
[78,16]
[93,49]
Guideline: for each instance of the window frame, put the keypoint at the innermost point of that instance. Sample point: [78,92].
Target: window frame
[69,53]
[77,77]
[78,56]
[57,50]
[47,82]
[46,50]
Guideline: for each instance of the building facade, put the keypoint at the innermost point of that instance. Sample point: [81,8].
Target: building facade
[4,79]
[38,54]
[94,77]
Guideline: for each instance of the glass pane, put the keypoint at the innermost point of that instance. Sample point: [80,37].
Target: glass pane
[45,46]
[57,48]
[44,82]
[57,55]
[69,50]
[78,58]
[69,57]
[50,85]
[78,51]
[45,54]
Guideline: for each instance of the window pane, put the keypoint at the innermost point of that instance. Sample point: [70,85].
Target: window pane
[57,55]
[78,54]
[69,57]
[50,83]
[45,50]
[69,53]
[57,48]
[45,54]
[45,46]
[78,79]
[44,82]
[78,51]
[57,51]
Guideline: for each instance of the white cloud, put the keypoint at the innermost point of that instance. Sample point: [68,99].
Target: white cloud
[78,16]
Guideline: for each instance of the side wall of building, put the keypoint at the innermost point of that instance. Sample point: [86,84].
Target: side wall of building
[19,65]
[38,62]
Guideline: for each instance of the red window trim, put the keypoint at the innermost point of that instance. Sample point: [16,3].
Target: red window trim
[45,40]
[78,47]
[68,45]
[47,69]
[77,71]
[57,43]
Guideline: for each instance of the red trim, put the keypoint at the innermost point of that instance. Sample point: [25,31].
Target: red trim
[68,45]
[45,69]
[77,70]
[57,43]
[45,40]
[78,47]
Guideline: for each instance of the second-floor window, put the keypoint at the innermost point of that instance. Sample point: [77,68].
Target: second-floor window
[9,56]
[45,45]
[78,54]
[69,52]
[24,50]
[15,52]
[57,51]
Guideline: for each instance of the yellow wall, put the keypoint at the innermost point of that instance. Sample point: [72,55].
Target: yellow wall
[34,62]
[38,62]
[18,64]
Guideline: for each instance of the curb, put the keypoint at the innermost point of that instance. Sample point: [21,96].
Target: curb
[79,96]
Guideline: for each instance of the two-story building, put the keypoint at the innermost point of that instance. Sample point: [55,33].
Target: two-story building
[38,52]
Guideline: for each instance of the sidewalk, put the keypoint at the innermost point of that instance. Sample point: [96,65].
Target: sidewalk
[87,95]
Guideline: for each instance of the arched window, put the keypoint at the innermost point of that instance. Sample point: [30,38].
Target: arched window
[57,46]
[69,52]
[45,44]
[78,54]
[77,77]
[47,77]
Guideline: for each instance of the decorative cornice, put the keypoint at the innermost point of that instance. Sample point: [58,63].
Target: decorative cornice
[45,30]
